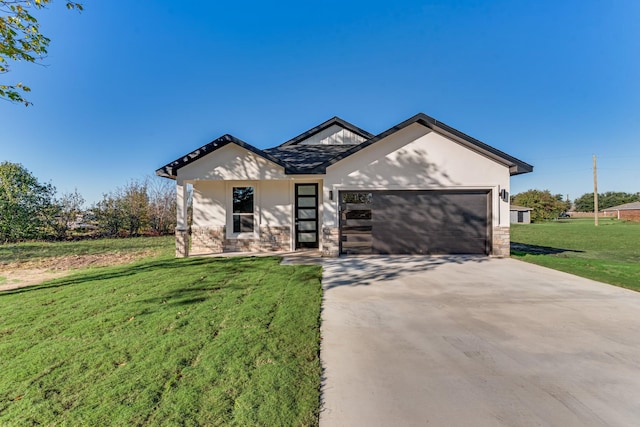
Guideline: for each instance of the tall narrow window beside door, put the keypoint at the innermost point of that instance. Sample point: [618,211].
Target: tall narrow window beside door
[242,209]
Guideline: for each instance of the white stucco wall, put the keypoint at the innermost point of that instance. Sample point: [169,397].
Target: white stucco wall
[214,175]
[419,159]
[209,201]
[276,203]
[231,162]
[412,158]
[273,202]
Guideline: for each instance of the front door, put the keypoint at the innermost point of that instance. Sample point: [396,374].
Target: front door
[306,216]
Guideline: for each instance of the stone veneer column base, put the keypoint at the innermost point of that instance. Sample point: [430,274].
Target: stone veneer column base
[275,238]
[330,241]
[214,240]
[182,243]
[501,242]
[207,239]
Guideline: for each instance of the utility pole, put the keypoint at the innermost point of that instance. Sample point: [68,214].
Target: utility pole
[595,191]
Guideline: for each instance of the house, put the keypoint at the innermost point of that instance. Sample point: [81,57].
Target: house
[520,214]
[627,212]
[420,187]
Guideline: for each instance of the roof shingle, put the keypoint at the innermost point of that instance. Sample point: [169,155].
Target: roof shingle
[625,207]
[304,159]
[298,158]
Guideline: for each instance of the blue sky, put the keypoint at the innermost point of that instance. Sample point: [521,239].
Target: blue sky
[130,86]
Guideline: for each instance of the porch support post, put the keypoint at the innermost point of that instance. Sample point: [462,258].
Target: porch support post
[182,230]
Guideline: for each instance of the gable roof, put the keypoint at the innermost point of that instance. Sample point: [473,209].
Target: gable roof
[303,158]
[516,166]
[624,207]
[326,125]
[170,170]
[297,158]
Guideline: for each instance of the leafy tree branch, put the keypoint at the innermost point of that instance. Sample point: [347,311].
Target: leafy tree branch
[546,206]
[21,40]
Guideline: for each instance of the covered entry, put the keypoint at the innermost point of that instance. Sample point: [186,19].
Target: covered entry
[306,224]
[415,222]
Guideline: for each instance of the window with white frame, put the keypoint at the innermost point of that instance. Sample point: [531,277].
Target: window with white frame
[243,209]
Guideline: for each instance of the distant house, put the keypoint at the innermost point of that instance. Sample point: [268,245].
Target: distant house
[627,212]
[421,187]
[520,214]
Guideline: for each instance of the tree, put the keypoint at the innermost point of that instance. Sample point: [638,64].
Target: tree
[126,208]
[584,203]
[545,205]
[162,205]
[21,40]
[135,203]
[566,203]
[109,213]
[25,204]
[606,200]
[65,211]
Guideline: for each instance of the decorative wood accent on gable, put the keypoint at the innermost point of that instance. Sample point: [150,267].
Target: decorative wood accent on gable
[326,144]
[334,135]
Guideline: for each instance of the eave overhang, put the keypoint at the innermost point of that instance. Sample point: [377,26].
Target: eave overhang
[170,170]
[515,166]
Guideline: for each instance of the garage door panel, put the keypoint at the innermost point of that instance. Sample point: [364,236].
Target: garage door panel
[429,222]
[460,246]
[452,247]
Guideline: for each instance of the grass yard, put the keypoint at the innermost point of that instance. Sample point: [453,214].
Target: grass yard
[162,341]
[608,253]
[30,252]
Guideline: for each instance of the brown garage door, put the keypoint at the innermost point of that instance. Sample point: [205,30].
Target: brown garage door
[415,222]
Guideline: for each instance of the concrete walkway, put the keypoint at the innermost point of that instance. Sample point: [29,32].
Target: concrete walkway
[464,341]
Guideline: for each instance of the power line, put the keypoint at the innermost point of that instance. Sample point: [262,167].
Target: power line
[582,156]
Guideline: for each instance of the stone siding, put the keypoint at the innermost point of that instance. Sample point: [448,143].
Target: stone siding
[207,240]
[275,238]
[213,240]
[330,241]
[501,242]
[182,243]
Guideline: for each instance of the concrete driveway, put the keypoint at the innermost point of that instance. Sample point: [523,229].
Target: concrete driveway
[465,341]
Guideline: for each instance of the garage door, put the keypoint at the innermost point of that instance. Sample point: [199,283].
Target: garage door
[415,222]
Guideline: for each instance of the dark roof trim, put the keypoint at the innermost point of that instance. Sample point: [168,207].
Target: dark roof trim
[516,166]
[170,170]
[333,121]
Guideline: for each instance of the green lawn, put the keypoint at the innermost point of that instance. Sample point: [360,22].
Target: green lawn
[608,253]
[30,251]
[164,341]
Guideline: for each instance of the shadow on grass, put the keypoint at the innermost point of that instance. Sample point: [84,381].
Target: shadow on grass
[526,249]
[183,297]
[165,267]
